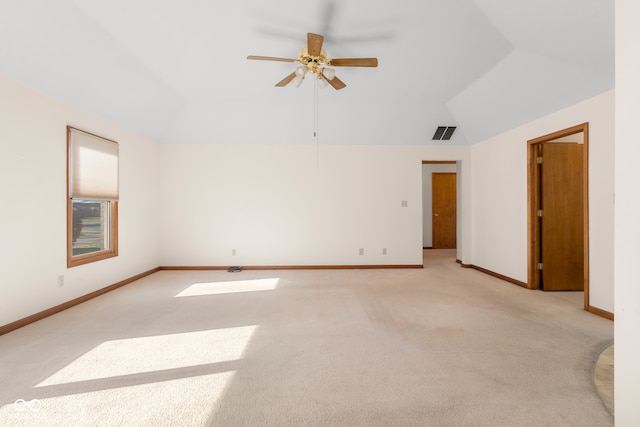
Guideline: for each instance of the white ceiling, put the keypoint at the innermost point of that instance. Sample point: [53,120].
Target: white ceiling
[176,70]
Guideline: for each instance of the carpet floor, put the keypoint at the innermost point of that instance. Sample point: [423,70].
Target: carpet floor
[441,346]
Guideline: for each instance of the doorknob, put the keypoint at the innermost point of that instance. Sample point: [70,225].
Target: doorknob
[435,214]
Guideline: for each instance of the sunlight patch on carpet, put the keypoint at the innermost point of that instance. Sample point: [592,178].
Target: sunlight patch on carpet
[148,354]
[174,402]
[229,287]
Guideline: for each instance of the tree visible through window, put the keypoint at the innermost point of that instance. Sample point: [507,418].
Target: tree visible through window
[92,205]
[91,219]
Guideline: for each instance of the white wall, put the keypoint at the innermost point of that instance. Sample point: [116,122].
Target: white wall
[627,226]
[281,205]
[427,200]
[33,214]
[499,201]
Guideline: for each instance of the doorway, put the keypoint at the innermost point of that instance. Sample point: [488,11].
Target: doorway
[558,211]
[453,169]
[443,202]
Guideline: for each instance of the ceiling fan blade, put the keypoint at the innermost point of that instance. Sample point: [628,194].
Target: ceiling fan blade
[354,62]
[286,80]
[270,58]
[336,83]
[314,44]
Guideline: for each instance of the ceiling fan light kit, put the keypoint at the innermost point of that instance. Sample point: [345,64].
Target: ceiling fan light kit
[313,60]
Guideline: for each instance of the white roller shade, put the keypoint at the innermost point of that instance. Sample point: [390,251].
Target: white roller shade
[93,166]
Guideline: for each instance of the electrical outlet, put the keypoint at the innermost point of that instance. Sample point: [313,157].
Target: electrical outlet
[384,251]
[361,251]
[233,252]
[60,281]
[404,203]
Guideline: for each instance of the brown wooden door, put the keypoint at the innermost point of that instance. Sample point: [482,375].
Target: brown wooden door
[562,222]
[444,210]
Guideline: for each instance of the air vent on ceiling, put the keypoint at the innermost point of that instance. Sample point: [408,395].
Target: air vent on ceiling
[444,133]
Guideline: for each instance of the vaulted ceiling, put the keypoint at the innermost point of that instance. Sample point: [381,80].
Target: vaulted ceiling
[176,71]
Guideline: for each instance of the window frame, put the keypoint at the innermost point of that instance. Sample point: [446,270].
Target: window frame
[112,251]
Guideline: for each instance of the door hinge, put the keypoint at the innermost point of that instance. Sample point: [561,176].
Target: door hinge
[540,213]
[540,266]
[539,160]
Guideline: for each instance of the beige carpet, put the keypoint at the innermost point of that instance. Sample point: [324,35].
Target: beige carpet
[443,346]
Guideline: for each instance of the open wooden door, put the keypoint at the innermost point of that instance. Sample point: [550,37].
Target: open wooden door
[444,210]
[562,217]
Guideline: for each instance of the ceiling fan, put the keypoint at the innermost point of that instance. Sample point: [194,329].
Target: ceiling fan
[313,60]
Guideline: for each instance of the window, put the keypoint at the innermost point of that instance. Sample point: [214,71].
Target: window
[92,198]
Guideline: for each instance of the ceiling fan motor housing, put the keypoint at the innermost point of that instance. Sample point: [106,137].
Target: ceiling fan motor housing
[313,63]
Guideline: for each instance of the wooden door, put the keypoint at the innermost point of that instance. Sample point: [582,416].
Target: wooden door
[444,210]
[562,221]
